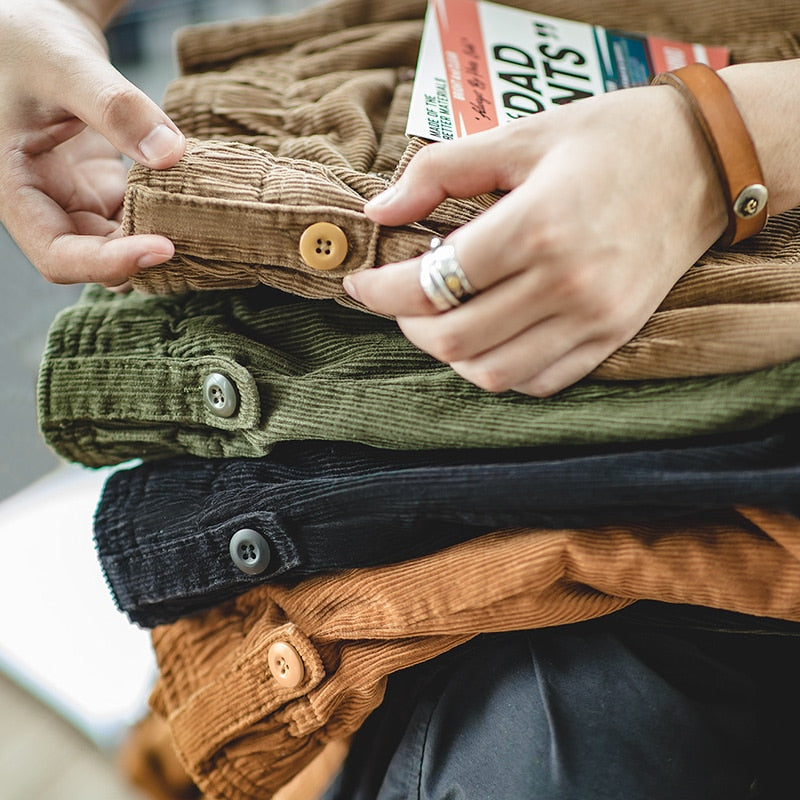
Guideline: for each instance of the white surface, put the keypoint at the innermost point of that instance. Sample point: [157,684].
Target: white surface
[61,635]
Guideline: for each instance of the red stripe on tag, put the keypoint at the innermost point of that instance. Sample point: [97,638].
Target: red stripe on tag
[668,55]
[466,64]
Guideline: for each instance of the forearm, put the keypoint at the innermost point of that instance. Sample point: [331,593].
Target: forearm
[768,97]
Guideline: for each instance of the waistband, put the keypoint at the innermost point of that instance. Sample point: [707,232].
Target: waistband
[239,216]
[130,376]
[315,507]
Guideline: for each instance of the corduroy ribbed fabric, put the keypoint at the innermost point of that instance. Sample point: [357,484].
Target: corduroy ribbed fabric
[234,207]
[163,529]
[147,759]
[330,88]
[123,377]
[242,734]
[301,120]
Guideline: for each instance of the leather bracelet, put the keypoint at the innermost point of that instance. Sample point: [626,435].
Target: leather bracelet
[732,148]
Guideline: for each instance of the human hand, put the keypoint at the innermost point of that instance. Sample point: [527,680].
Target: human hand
[610,200]
[66,116]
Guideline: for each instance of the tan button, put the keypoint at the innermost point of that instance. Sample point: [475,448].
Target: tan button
[285,665]
[323,245]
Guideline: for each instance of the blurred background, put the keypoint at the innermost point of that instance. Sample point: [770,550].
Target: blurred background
[74,674]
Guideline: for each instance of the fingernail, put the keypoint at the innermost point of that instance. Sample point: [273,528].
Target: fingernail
[382,199]
[152,259]
[350,288]
[160,143]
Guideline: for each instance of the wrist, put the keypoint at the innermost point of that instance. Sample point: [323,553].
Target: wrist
[696,187]
[767,97]
[728,140]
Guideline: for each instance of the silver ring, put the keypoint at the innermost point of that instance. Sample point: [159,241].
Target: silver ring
[442,278]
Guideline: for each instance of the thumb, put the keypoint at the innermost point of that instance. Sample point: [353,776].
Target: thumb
[463,168]
[108,102]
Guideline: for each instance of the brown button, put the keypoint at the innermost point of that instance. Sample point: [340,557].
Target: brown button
[285,665]
[323,245]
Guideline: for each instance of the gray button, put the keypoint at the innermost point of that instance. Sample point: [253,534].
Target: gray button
[219,395]
[249,551]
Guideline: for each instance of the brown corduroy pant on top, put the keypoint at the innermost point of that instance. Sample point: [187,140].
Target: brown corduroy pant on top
[299,120]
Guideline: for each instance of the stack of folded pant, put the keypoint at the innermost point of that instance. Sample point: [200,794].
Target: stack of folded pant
[320,505]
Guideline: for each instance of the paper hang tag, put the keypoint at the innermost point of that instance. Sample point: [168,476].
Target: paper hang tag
[482,65]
